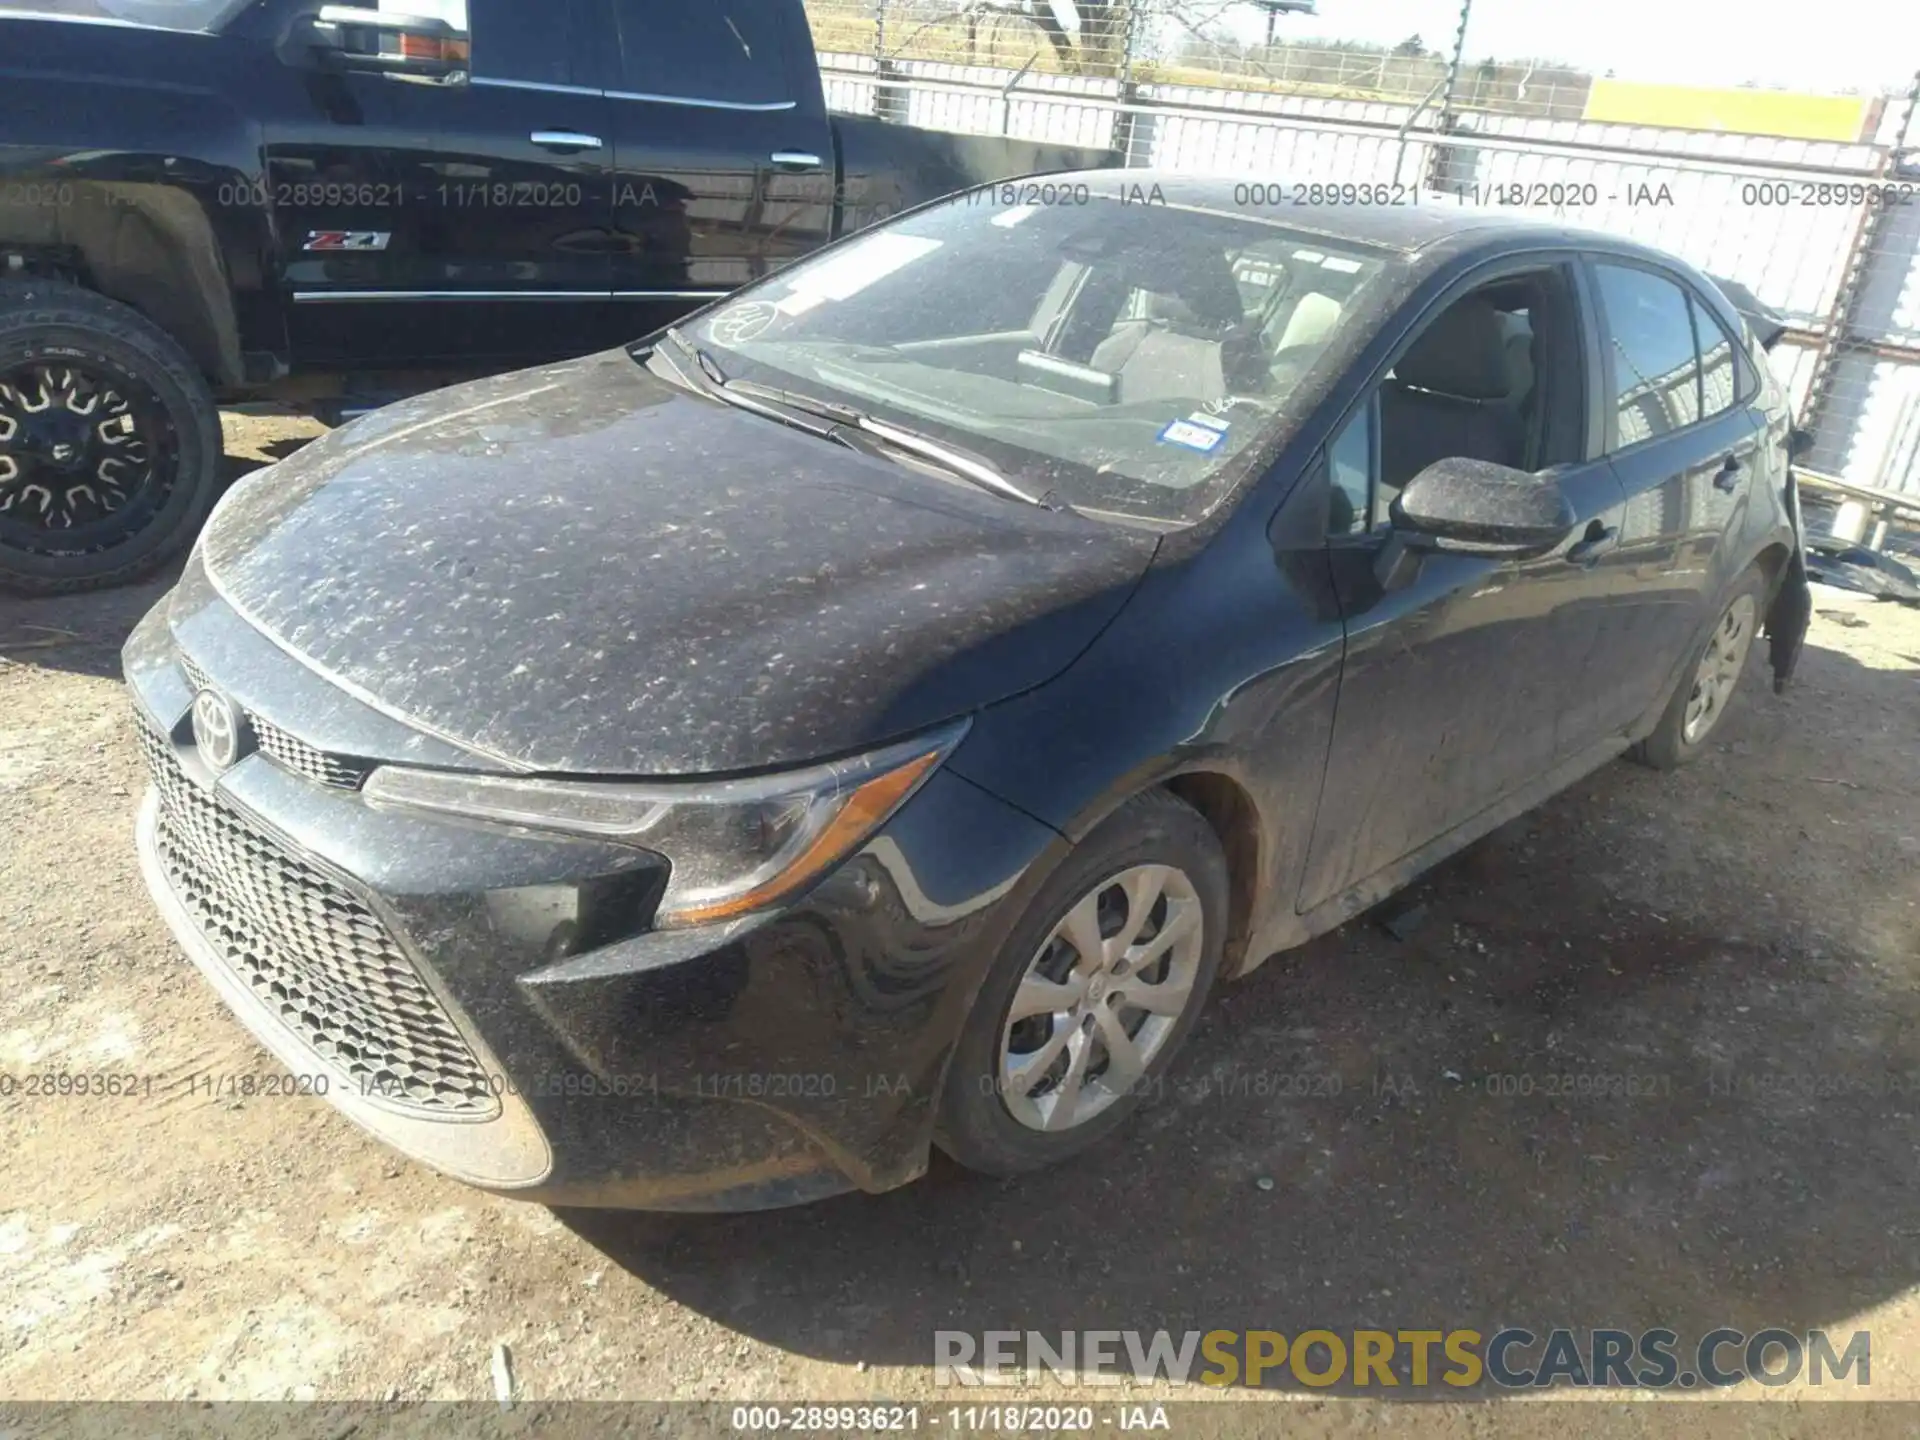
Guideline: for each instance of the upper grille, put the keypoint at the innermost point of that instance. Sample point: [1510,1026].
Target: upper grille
[290,752]
[311,951]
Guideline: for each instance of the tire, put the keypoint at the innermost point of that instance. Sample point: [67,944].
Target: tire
[109,441]
[1682,733]
[992,1122]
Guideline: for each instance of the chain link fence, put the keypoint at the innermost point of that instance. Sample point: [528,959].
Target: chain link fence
[1824,225]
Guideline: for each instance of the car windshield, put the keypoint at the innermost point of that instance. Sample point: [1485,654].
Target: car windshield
[1114,356]
[166,14]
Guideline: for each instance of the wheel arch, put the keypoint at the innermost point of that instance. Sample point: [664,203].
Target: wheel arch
[1226,803]
[1229,810]
[151,247]
[1772,562]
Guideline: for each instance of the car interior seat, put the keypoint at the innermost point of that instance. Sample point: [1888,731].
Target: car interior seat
[1193,345]
[1452,394]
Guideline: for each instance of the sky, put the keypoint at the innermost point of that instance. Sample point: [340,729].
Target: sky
[1813,45]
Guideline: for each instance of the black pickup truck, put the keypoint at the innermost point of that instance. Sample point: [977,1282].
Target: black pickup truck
[212,201]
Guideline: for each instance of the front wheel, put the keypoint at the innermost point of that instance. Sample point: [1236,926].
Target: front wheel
[109,441]
[1093,994]
[1697,705]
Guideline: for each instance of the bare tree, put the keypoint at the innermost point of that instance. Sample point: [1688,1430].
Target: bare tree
[1096,48]
[1088,37]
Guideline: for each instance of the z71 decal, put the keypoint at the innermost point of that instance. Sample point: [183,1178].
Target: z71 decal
[348,239]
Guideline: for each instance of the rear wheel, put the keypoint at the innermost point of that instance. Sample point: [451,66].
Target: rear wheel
[109,441]
[1697,705]
[1093,994]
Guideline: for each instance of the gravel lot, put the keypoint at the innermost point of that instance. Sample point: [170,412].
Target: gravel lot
[1719,934]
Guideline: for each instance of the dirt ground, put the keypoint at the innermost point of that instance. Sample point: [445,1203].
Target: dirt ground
[1740,938]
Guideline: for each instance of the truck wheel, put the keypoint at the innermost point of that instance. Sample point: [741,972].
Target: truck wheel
[109,441]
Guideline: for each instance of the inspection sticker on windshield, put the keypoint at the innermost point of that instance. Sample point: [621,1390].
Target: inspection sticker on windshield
[1198,432]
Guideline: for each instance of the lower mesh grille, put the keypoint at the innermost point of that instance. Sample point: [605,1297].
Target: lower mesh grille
[311,951]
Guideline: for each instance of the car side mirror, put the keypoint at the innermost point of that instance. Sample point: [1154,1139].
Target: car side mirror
[1478,508]
[1472,507]
[346,37]
[1799,443]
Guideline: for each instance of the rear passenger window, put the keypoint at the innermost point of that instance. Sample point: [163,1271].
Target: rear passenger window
[1719,373]
[1653,362]
[720,50]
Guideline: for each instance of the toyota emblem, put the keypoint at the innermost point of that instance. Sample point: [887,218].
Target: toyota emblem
[219,729]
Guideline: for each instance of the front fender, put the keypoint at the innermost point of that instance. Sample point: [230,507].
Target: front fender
[124,162]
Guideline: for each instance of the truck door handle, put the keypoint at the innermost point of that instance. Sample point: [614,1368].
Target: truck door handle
[564,140]
[1598,541]
[1729,474]
[795,160]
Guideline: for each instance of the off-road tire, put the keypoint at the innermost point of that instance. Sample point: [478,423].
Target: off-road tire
[64,325]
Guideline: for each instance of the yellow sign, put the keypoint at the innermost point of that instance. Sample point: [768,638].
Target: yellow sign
[1749,112]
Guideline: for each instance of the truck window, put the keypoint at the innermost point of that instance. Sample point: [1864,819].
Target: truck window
[725,51]
[511,39]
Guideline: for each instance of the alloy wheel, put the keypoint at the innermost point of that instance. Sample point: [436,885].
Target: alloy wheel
[1719,670]
[87,455]
[1101,997]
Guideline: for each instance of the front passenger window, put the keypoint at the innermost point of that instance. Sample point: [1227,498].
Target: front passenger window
[1652,360]
[526,44]
[1455,393]
[1350,475]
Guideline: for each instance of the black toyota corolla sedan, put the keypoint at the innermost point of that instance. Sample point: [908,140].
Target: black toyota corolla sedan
[874,714]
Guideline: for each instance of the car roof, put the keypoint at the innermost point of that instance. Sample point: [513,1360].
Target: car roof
[1406,228]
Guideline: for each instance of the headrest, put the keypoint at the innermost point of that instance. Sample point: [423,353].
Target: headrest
[1520,364]
[1312,320]
[1171,309]
[1204,286]
[1463,354]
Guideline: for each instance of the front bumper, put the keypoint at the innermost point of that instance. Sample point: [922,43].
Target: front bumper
[502,1149]
[492,1003]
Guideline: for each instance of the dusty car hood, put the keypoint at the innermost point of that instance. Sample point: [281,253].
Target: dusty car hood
[581,568]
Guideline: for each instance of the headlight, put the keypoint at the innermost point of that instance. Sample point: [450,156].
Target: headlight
[734,846]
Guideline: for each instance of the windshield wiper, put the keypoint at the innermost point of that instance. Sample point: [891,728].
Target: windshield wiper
[793,400]
[963,463]
[960,462]
[707,376]
[710,371]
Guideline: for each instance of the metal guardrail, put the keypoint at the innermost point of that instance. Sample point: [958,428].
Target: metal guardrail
[1893,502]
[1825,228]
[1807,226]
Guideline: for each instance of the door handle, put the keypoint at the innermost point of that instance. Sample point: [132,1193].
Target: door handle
[1598,541]
[795,160]
[564,140]
[1728,475]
